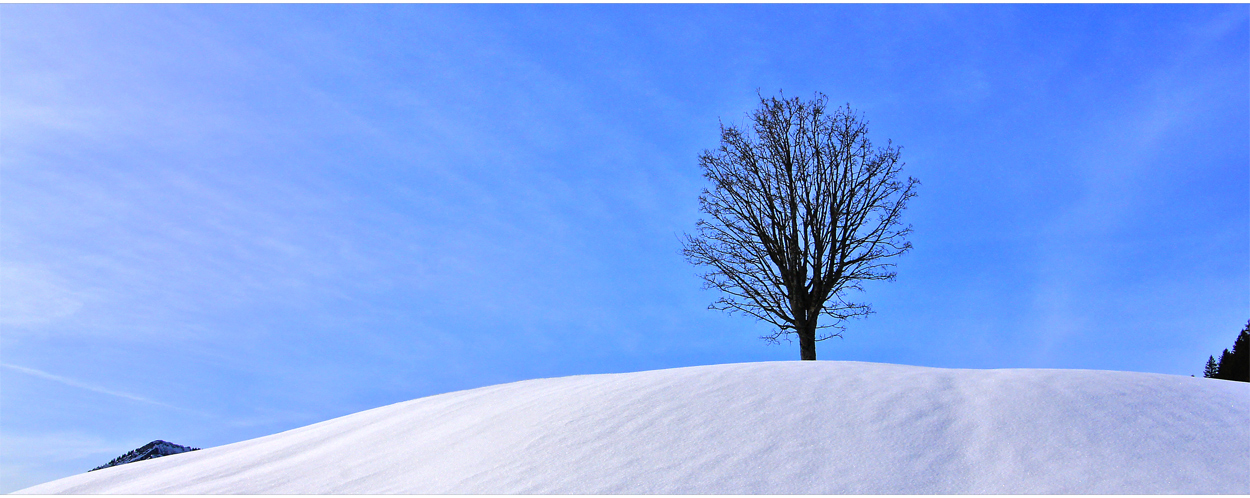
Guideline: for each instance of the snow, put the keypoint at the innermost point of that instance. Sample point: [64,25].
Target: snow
[779,428]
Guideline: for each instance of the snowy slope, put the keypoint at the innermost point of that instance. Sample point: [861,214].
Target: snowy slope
[781,427]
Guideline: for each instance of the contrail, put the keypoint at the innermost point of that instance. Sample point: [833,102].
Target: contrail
[71,382]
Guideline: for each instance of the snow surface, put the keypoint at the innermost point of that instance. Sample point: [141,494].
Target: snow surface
[780,427]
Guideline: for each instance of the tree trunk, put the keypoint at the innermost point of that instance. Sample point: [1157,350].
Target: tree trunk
[807,342]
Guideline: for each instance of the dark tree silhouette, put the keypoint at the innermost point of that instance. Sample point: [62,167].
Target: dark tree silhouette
[802,209]
[1235,364]
[1212,368]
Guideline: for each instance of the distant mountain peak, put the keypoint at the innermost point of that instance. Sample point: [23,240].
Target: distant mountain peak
[154,449]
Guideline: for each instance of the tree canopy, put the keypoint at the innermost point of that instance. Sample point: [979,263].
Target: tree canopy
[802,209]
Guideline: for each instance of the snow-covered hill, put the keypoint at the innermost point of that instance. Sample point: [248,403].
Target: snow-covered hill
[154,449]
[782,427]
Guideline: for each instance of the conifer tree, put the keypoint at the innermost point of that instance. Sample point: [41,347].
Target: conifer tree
[1225,368]
[1212,368]
[1235,364]
[1239,357]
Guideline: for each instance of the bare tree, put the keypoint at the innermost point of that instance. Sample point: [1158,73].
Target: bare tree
[802,210]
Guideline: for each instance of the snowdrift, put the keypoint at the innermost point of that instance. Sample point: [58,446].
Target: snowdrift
[781,427]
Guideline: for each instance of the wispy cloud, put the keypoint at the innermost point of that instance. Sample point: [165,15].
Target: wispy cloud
[33,296]
[83,385]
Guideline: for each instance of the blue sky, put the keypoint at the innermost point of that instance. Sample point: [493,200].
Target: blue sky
[219,222]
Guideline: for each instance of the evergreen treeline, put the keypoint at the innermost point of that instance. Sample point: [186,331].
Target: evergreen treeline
[1233,365]
[154,449]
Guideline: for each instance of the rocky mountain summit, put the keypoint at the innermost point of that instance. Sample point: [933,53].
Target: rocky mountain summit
[154,449]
